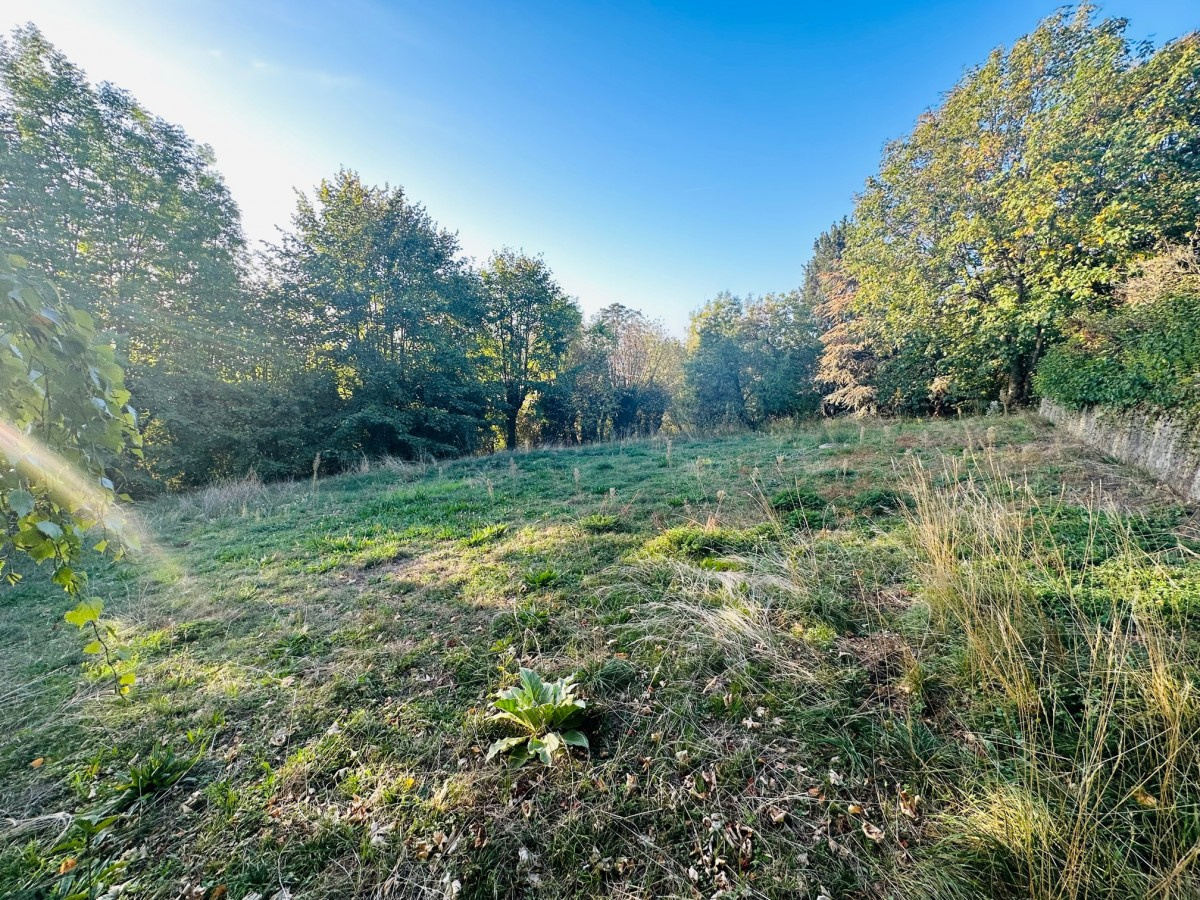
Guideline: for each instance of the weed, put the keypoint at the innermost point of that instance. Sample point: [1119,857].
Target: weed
[145,779]
[485,535]
[548,714]
[880,501]
[599,523]
[536,579]
[800,497]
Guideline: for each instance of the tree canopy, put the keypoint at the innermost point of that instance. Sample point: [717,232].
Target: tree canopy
[1040,183]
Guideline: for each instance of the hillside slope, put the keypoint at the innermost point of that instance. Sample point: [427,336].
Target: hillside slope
[909,659]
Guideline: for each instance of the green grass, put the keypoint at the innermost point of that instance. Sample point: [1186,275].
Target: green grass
[787,695]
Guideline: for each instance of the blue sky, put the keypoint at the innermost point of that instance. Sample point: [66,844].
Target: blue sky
[655,153]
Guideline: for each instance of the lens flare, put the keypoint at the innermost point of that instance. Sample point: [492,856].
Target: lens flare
[70,490]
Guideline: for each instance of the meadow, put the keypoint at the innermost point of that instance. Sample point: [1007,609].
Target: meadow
[845,659]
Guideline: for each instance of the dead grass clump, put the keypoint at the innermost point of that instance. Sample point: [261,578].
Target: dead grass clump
[232,496]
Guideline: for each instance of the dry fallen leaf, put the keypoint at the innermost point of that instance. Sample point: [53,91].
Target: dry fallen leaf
[872,831]
[777,815]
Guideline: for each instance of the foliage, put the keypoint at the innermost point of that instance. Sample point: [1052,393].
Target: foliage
[160,771]
[383,300]
[695,542]
[1143,355]
[485,535]
[528,326]
[802,496]
[880,501]
[127,215]
[65,411]
[549,714]
[848,360]
[618,380]
[536,579]
[750,362]
[203,428]
[1044,177]
[598,523]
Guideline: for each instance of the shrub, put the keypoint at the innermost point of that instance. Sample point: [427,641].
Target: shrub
[1142,355]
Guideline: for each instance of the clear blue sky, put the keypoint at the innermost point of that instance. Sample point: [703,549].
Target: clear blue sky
[655,153]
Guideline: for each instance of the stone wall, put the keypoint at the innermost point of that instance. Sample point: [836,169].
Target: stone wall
[1155,443]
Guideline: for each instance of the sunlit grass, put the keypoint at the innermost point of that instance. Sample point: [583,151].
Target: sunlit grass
[777,706]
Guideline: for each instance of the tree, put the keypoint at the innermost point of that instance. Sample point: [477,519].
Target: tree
[752,361]
[780,348]
[528,326]
[125,212]
[383,299]
[713,368]
[129,217]
[1026,197]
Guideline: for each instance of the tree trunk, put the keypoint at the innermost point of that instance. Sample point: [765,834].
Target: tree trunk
[510,428]
[1018,382]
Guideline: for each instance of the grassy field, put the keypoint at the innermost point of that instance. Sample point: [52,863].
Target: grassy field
[943,660]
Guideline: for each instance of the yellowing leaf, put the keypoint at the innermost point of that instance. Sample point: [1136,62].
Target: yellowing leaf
[86,612]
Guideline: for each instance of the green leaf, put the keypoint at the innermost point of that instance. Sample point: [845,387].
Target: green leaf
[538,747]
[93,647]
[50,529]
[86,612]
[68,579]
[576,739]
[21,502]
[504,745]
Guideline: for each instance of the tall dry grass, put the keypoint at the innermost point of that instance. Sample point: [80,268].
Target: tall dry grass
[1092,788]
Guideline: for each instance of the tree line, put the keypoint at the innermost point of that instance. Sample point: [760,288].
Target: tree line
[364,331]
[994,239]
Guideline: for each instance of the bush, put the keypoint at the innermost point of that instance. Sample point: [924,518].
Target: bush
[1145,355]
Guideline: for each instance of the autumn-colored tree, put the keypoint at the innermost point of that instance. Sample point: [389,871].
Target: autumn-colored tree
[1025,197]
